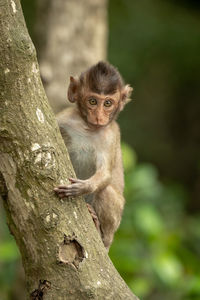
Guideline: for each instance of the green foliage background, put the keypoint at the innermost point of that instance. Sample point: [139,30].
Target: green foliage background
[155,44]
[156,249]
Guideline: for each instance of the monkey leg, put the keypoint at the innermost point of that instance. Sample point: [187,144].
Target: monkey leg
[94,217]
[108,205]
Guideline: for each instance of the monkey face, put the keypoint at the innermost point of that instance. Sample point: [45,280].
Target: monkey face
[99,93]
[101,109]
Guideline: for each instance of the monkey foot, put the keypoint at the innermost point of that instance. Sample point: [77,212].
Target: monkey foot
[94,217]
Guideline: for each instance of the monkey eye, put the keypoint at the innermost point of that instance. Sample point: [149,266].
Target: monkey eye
[107,103]
[92,101]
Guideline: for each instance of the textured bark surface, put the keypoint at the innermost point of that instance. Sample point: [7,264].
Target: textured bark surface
[71,36]
[62,253]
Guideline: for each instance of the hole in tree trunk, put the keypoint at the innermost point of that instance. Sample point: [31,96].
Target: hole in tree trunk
[71,252]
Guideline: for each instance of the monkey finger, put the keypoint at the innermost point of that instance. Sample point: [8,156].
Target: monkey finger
[67,194]
[72,180]
[75,186]
[62,187]
[69,188]
[71,193]
[60,190]
[77,191]
[66,187]
[75,180]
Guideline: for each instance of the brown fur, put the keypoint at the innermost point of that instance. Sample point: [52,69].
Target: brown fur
[93,140]
[102,78]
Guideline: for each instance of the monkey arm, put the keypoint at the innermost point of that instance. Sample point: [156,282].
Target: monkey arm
[97,182]
[82,187]
[100,179]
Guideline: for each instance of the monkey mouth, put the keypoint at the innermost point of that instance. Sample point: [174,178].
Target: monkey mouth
[96,125]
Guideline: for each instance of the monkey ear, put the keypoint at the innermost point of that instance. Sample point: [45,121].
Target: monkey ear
[125,96]
[73,89]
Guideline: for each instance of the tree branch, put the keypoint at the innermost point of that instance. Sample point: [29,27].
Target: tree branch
[62,253]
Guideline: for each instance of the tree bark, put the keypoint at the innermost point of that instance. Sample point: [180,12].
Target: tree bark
[62,253]
[70,36]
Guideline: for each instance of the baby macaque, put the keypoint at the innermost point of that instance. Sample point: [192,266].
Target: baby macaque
[92,137]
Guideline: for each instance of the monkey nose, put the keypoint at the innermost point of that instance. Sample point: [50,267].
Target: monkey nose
[98,120]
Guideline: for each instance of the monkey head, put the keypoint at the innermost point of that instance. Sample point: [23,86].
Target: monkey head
[99,93]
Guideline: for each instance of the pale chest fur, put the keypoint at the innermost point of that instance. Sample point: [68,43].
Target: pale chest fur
[82,152]
[86,149]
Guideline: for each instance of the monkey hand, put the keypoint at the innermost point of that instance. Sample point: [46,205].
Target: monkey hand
[76,188]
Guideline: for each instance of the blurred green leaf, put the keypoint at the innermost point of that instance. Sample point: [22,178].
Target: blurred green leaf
[9,251]
[129,157]
[141,286]
[168,268]
[148,220]
[142,183]
[193,285]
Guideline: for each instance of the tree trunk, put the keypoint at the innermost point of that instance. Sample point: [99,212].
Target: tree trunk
[62,253]
[70,35]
